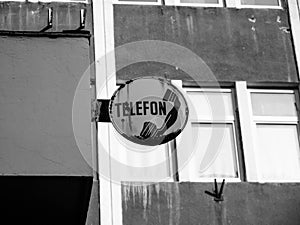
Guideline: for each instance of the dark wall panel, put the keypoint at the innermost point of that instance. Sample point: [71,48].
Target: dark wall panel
[44,200]
[236,44]
[38,79]
[187,204]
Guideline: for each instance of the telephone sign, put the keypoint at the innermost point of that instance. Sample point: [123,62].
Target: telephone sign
[148,111]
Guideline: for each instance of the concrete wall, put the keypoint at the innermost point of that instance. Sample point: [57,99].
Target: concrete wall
[253,45]
[187,204]
[236,44]
[46,178]
[38,79]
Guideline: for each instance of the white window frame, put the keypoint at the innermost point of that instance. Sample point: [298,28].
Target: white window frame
[118,2]
[271,120]
[229,4]
[178,3]
[227,120]
[240,5]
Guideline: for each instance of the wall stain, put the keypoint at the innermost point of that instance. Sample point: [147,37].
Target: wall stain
[142,195]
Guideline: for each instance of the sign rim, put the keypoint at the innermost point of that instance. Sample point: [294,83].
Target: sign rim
[160,79]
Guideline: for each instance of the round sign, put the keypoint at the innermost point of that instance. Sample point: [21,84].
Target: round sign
[148,111]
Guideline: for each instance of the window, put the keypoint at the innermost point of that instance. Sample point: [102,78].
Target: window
[136,162]
[260,3]
[269,133]
[138,2]
[209,3]
[205,3]
[212,118]
[277,140]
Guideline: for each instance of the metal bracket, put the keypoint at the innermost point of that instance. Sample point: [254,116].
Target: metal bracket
[100,111]
[49,20]
[82,19]
[92,81]
[95,106]
[218,195]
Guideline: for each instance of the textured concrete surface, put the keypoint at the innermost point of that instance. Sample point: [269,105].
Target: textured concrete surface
[187,204]
[236,44]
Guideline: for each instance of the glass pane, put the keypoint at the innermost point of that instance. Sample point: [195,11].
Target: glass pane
[212,160]
[200,1]
[211,105]
[273,104]
[278,152]
[260,2]
[130,161]
[138,0]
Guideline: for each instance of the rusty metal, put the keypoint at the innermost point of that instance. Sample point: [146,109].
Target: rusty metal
[100,110]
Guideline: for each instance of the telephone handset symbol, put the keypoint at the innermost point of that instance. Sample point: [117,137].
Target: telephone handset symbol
[150,129]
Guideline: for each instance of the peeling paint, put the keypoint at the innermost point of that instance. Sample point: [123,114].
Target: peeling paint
[252,19]
[278,20]
[286,56]
[190,24]
[255,39]
[186,203]
[142,195]
[221,36]
[285,29]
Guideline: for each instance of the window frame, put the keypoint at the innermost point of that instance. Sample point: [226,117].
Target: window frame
[222,3]
[233,121]
[240,5]
[273,120]
[178,3]
[119,2]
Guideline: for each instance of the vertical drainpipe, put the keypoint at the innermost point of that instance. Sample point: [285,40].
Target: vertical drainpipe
[294,16]
[98,49]
[110,193]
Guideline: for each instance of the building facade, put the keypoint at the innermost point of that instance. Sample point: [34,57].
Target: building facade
[235,61]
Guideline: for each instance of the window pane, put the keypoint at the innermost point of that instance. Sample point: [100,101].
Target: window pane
[212,105]
[273,104]
[130,161]
[212,160]
[260,2]
[200,1]
[278,152]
